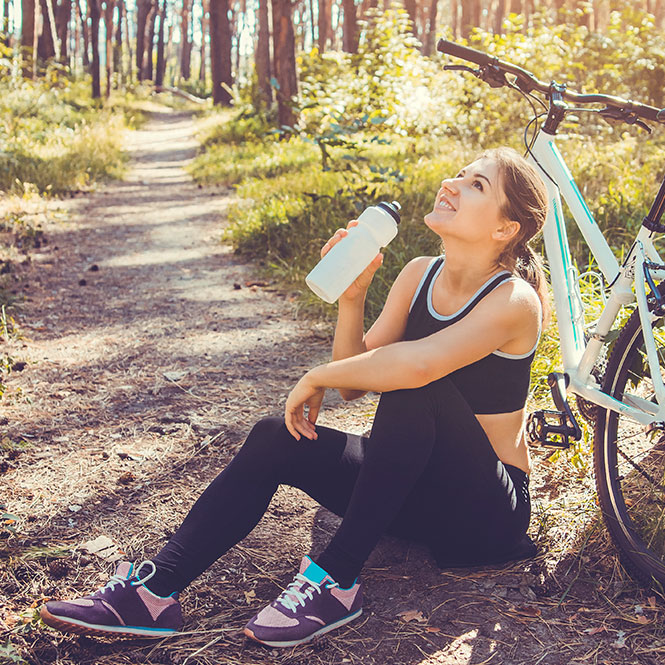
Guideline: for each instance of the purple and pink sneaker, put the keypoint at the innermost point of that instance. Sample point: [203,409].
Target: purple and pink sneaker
[313,604]
[124,607]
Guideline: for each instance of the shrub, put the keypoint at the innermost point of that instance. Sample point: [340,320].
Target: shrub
[393,123]
[54,136]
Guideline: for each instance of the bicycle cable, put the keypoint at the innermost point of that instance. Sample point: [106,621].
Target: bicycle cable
[528,143]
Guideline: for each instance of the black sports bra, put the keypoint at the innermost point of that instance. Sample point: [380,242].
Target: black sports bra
[497,383]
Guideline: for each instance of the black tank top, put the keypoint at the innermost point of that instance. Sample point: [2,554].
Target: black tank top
[497,383]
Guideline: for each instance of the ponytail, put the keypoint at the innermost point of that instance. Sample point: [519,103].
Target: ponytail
[526,203]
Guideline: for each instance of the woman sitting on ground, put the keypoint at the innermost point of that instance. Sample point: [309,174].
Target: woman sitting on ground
[446,462]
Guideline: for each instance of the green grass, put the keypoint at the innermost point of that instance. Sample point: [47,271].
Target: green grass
[392,124]
[56,138]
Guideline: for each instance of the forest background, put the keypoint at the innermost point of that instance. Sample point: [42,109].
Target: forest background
[311,110]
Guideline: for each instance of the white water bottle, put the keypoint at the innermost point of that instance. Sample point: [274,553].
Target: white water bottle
[337,270]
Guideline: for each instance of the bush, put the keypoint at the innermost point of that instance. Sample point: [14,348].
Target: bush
[389,123]
[54,136]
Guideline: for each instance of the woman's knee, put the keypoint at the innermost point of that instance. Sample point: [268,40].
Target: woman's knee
[268,439]
[408,400]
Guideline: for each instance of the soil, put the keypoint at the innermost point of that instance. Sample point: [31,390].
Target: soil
[146,351]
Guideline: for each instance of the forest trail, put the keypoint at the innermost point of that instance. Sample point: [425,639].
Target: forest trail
[148,356]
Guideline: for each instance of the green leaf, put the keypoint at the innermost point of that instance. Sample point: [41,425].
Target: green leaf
[8,654]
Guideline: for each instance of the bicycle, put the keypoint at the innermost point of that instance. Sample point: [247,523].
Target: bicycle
[626,401]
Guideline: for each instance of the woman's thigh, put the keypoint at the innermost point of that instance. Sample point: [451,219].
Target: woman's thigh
[465,500]
[326,469]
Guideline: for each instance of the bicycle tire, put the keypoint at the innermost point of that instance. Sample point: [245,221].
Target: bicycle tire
[629,463]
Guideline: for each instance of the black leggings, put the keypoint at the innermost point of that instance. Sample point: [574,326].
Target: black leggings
[427,472]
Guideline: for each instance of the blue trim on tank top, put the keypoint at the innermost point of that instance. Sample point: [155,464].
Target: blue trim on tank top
[442,317]
[422,280]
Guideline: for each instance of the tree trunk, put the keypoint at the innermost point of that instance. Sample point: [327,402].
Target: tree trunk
[454,18]
[46,45]
[558,10]
[350,39]
[109,10]
[149,43]
[470,16]
[205,29]
[95,15]
[528,11]
[602,14]
[429,34]
[129,46]
[333,22]
[143,8]
[117,48]
[659,14]
[27,34]
[311,21]
[366,5]
[324,24]
[5,22]
[160,67]
[262,55]
[63,16]
[171,62]
[411,10]
[185,40]
[85,31]
[220,51]
[35,37]
[284,59]
[76,39]
[236,28]
[499,16]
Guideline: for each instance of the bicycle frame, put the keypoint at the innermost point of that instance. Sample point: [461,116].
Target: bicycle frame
[579,355]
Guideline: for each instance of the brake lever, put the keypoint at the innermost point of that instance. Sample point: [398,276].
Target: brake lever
[490,74]
[643,125]
[609,113]
[462,68]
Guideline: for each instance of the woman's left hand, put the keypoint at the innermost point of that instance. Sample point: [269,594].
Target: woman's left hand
[304,393]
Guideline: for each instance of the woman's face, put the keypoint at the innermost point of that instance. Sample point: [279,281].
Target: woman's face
[469,205]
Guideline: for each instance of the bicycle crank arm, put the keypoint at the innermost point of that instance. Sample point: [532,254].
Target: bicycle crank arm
[554,429]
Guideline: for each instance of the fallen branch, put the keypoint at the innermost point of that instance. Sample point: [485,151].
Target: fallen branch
[180,93]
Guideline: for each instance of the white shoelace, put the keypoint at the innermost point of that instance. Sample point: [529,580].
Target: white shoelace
[300,590]
[117,579]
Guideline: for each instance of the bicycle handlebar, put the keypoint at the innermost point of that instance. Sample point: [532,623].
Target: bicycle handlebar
[527,82]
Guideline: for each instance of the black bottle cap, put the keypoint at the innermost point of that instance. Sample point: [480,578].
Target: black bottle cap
[391,208]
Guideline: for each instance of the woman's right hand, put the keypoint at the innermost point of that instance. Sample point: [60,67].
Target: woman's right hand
[359,286]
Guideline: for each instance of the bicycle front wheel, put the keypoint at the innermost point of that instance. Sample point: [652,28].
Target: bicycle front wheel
[629,462]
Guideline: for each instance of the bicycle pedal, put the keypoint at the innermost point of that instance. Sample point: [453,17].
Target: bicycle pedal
[549,429]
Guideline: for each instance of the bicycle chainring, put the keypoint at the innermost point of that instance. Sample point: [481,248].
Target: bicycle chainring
[588,410]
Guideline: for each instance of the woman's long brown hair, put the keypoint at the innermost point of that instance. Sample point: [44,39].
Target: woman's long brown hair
[526,203]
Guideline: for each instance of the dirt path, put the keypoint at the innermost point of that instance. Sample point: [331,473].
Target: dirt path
[148,357]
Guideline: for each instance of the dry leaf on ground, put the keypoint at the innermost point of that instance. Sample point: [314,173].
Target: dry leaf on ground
[412,615]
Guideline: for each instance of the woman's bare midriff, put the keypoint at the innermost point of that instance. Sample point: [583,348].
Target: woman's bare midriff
[506,434]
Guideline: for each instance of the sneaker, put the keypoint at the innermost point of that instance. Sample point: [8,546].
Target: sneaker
[311,605]
[125,606]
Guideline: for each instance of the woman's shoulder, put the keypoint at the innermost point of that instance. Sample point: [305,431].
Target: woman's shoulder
[418,267]
[414,273]
[519,296]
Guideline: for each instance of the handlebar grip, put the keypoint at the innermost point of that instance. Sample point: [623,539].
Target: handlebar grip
[463,52]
